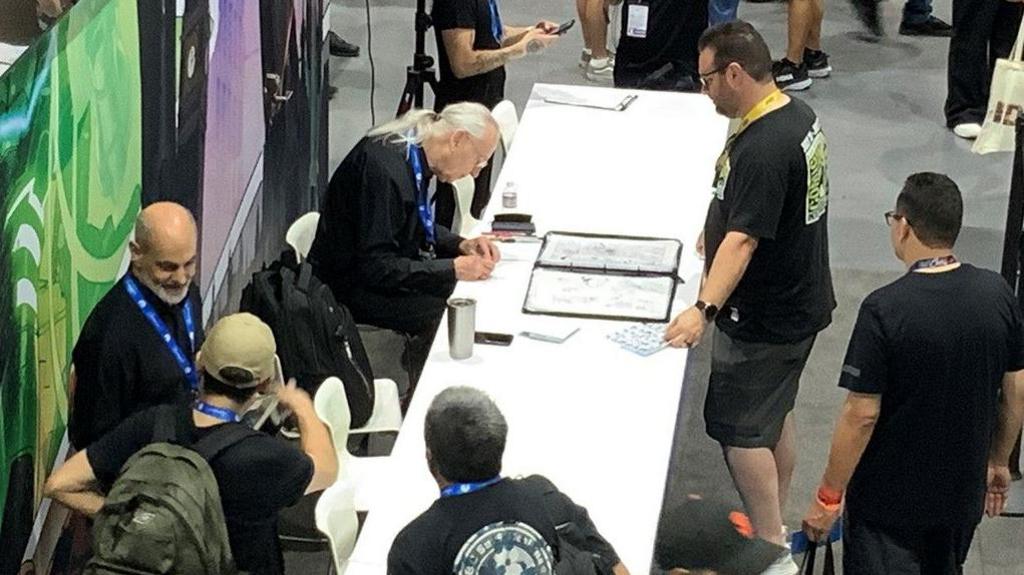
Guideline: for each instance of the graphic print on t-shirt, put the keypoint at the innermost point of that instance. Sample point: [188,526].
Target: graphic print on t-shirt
[505,548]
[816,151]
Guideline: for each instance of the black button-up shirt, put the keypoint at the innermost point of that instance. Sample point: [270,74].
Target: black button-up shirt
[122,365]
[370,235]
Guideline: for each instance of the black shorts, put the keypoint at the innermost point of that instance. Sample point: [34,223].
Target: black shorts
[870,549]
[752,389]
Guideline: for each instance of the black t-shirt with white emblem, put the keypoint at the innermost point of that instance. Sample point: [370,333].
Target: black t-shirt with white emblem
[774,187]
[935,346]
[507,527]
[487,88]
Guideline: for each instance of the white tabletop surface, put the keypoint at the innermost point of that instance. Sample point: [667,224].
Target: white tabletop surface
[596,420]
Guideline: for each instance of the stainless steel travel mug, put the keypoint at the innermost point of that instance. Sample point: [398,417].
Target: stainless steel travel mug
[461,327]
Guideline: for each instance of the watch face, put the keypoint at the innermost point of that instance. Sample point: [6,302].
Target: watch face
[710,312]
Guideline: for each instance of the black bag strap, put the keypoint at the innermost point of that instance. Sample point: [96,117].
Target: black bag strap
[165,425]
[810,557]
[220,439]
[305,277]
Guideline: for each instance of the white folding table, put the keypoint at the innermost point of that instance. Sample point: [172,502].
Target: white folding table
[595,419]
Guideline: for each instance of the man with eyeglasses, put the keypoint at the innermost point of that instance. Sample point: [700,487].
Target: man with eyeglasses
[767,282]
[936,397]
[378,245]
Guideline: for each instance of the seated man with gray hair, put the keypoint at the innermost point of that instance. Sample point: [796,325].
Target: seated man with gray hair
[377,245]
[485,523]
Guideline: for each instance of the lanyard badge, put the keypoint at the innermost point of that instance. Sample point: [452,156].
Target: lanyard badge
[184,362]
[221,413]
[761,109]
[422,201]
[934,262]
[456,489]
[496,28]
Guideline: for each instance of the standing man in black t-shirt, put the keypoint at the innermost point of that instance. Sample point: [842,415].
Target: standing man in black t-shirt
[936,398]
[482,520]
[658,44]
[767,282]
[123,363]
[473,46]
[257,476]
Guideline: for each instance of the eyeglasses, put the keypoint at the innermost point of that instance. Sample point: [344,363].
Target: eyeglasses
[892,216]
[704,77]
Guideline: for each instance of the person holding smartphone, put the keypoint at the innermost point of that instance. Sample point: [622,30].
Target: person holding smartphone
[473,46]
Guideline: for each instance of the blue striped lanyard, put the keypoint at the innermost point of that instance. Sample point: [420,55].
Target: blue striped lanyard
[934,262]
[422,201]
[184,362]
[496,28]
[220,413]
[456,489]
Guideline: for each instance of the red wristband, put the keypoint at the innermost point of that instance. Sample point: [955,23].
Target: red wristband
[829,497]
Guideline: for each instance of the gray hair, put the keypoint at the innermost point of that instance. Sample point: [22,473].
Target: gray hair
[417,125]
[465,433]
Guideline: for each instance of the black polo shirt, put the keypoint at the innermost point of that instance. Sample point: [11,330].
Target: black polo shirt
[775,188]
[487,88]
[935,347]
[122,365]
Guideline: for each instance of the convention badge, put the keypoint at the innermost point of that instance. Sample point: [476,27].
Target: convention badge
[636,22]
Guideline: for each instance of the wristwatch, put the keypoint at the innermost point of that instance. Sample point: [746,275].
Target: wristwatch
[709,310]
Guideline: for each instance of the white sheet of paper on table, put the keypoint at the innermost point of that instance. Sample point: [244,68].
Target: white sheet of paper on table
[640,297]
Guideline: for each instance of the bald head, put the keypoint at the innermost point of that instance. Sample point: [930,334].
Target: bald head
[164,250]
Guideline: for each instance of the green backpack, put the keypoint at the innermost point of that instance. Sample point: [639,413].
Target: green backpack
[163,513]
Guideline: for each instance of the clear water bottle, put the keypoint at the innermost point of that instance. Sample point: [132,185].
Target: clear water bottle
[510,196]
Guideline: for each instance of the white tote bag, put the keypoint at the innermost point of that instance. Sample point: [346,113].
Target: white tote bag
[1005,102]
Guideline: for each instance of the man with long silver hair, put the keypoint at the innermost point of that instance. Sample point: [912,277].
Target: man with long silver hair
[377,245]
[137,347]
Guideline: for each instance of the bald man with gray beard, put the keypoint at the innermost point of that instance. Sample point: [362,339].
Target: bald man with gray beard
[137,348]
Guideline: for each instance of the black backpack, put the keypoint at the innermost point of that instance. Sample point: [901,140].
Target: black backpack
[163,514]
[316,336]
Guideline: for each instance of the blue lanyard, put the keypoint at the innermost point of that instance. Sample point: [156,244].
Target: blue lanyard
[933,262]
[422,201]
[184,362]
[220,413]
[456,489]
[496,28]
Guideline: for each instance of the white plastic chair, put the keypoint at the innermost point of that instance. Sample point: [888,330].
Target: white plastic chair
[335,517]
[508,122]
[464,222]
[301,233]
[356,473]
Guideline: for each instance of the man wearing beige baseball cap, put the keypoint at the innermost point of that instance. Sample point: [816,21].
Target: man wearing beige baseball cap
[258,475]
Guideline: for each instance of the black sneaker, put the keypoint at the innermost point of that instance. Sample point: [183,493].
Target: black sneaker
[930,27]
[339,47]
[790,76]
[817,63]
[867,13]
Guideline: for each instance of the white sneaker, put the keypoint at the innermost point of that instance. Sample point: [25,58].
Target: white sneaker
[600,70]
[968,131]
[783,566]
[585,56]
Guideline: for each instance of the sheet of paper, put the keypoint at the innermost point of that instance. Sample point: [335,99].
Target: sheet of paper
[619,254]
[646,298]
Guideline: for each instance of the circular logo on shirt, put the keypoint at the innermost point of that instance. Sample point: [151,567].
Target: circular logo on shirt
[505,548]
